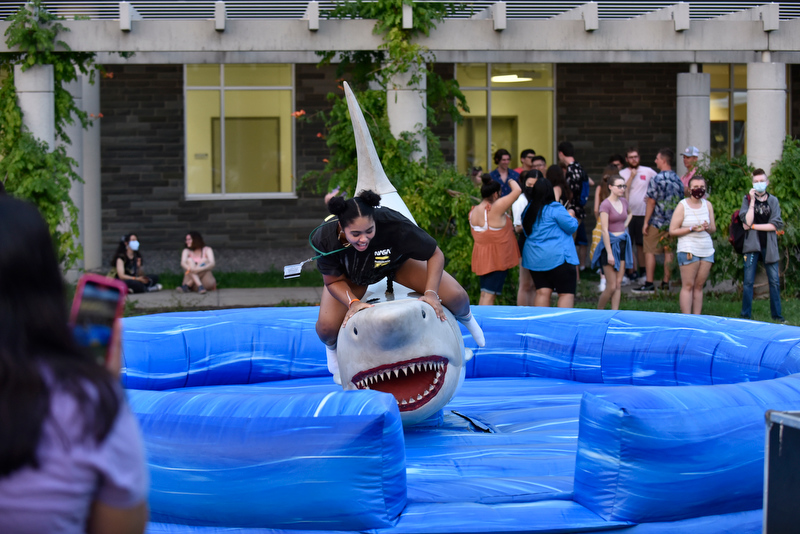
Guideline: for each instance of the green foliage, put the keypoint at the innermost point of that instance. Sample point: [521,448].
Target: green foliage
[30,169]
[729,181]
[435,193]
[784,179]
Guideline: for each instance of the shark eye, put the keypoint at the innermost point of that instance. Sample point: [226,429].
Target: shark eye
[423,314]
[355,330]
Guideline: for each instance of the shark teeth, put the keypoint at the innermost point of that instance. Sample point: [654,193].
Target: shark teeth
[390,379]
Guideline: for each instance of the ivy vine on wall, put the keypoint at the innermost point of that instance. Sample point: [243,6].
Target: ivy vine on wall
[438,196]
[29,168]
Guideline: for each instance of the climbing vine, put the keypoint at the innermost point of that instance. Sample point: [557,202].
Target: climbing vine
[29,168]
[437,195]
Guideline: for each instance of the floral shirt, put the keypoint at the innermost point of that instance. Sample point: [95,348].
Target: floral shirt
[666,189]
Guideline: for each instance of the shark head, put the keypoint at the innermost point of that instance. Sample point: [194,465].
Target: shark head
[400,347]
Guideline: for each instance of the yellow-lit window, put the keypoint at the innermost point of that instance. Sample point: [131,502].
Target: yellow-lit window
[239,133]
[511,107]
[728,109]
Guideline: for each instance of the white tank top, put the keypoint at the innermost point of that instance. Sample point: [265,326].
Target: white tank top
[698,243]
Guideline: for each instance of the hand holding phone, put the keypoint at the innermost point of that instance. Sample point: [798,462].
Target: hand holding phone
[98,303]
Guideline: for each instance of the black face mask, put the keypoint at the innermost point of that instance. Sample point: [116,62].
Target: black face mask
[529,192]
[698,192]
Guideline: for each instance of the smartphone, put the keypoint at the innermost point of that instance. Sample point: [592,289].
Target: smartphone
[98,302]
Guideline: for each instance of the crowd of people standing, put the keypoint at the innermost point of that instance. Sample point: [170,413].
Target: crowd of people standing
[641,213]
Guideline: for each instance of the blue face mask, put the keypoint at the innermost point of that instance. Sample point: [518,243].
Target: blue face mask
[134,245]
[760,187]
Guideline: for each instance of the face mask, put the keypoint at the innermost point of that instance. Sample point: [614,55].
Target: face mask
[529,192]
[698,192]
[760,187]
[134,245]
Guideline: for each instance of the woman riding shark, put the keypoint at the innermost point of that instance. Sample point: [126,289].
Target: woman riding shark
[372,238]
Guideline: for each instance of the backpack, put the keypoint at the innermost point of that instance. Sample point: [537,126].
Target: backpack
[584,193]
[736,233]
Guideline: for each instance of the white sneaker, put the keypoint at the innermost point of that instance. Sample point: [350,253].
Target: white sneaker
[333,363]
[626,281]
[602,286]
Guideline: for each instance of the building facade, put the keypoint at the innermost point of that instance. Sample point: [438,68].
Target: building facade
[197,131]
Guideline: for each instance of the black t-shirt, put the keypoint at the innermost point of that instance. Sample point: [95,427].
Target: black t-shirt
[131,264]
[761,215]
[396,240]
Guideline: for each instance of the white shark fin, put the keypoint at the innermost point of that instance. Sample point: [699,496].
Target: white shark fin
[370,170]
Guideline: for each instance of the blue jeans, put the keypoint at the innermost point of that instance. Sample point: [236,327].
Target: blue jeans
[773,275]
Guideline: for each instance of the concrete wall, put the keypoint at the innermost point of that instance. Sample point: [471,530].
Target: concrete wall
[794,99]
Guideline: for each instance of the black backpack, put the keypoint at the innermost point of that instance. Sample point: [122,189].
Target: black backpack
[736,232]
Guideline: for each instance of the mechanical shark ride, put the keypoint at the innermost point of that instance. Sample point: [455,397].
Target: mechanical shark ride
[398,346]
[569,421]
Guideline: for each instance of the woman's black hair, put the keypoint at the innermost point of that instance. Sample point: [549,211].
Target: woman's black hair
[349,210]
[555,175]
[197,240]
[542,196]
[489,187]
[121,248]
[37,350]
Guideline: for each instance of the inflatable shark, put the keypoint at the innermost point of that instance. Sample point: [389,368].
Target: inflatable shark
[398,346]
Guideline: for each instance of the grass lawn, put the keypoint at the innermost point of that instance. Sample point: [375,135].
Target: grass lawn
[719,304]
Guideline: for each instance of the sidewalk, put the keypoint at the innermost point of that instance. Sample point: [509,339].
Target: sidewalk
[225,298]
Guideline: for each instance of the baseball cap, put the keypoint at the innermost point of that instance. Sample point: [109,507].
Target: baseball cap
[691,151]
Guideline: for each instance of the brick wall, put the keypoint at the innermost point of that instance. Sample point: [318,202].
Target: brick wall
[605,108]
[142,154]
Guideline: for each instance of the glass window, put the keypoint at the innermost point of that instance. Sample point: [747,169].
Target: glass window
[516,75]
[728,109]
[239,141]
[720,75]
[471,74]
[202,75]
[514,111]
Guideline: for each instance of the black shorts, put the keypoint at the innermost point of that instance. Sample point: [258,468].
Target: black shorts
[635,228]
[562,279]
[623,245]
[580,236]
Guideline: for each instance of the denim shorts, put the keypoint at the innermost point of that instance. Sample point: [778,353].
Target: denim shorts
[492,283]
[683,260]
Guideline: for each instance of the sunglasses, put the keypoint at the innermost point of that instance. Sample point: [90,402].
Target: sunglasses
[623,186]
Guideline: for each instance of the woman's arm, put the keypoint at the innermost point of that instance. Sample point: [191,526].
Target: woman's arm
[432,281]
[339,288]
[121,270]
[502,204]
[104,518]
[208,254]
[775,221]
[565,219]
[606,236]
[186,263]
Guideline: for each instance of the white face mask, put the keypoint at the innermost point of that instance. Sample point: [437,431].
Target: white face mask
[134,245]
[760,187]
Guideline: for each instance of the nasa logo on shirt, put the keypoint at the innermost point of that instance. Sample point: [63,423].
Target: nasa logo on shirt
[382,257]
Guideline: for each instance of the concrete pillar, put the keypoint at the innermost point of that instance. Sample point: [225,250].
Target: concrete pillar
[766,113]
[693,114]
[406,108]
[91,216]
[35,95]
[75,151]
